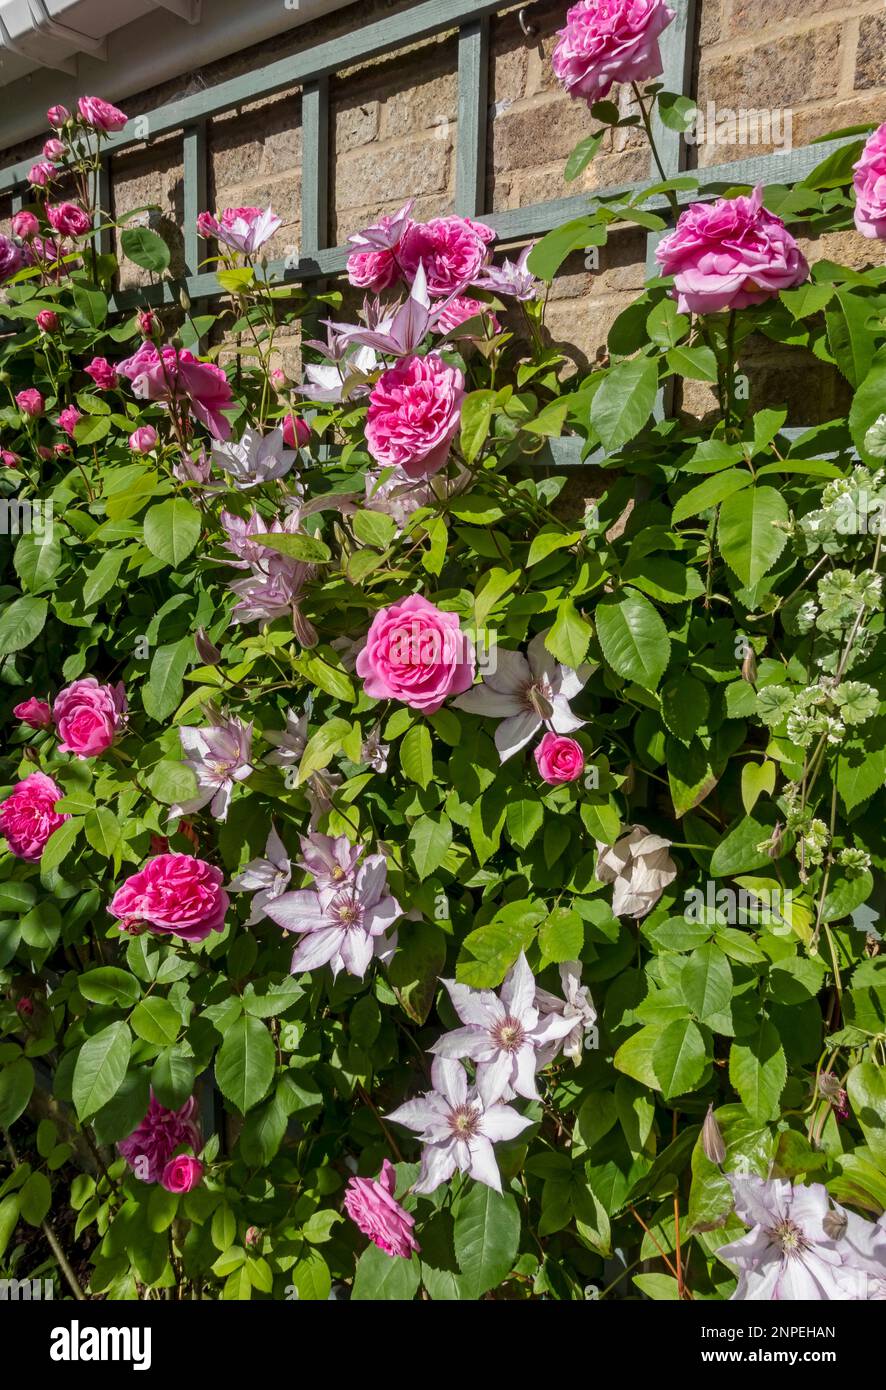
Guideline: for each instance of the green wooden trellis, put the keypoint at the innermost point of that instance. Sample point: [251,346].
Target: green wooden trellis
[311,69]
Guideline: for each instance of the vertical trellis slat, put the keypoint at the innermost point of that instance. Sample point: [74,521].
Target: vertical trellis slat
[473,88]
[194,192]
[315,168]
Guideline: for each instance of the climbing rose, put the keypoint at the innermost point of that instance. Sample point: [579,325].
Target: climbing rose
[177,374]
[182,1174]
[372,265]
[30,402]
[53,149]
[68,419]
[414,414]
[25,225]
[87,716]
[48,321]
[143,440]
[68,219]
[370,1204]
[11,258]
[730,254]
[101,115]
[151,1145]
[27,817]
[41,173]
[102,373]
[607,41]
[416,653]
[56,116]
[176,895]
[451,249]
[296,432]
[559,759]
[34,712]
[870,186]
[457,311]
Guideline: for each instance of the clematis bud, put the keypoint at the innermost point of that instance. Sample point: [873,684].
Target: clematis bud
[712,1139]
[184,299]
[207,651]
[749,667]
[834,1224]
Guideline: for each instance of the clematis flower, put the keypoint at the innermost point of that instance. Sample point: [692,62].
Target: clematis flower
[511,278]
[526,693]
[289,743]
[375,753]
[373,263]
[267,878]
[788,1253]
[577,1006]
[255,458]
[502,1034]
[332,859]
[242,229]
[641,869]
[218,755]
[342,926]
[399,332]
[458,1131]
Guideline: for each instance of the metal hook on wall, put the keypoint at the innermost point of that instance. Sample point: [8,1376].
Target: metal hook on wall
[529,28]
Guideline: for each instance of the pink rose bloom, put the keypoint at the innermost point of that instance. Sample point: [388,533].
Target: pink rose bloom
[87,716]
[48,321]
[373,270]
[11,258]
[102,373]
[25,225]
[451,249]
[150,1147]
[53,149]
[730,254]
[34,712]
[160,375]
[870,187]
[28,817]
[559,759]
[372,265]
[414,414]
[607,41]
[68,219]
[416,653]
[370,1204]
[176,894]
[41,173]
[9,459]
[182,1174]
[56,116]
[241,229]
[296,432]
[459,310]
[147,323]
[30,402]
[101,115]
[143,440]
[68,419]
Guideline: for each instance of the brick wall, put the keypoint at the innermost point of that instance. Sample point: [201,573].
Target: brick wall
[395,127]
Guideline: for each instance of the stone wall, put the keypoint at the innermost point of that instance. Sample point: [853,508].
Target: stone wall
[395,128]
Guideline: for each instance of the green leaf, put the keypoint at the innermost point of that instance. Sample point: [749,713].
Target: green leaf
[710,493]
[20,623]
[523,818]
[756,779]
[429,841]
[695,363]
[163,691]
[172,1078]
[476,416]
[91,305]
[308,549]
[103,577]
[547,540]
[866,1087]
[546,258]
[486,1237]
[690,775]
[60,843]
[102,829]
[172,529]
[750,538]
[108,985]
[9,1213]
[417,963]
[35,1199]
[624,400]
[100,1068]
[322,747]
[684,706]
[737,853]
[416,758]
[678,1057]
[244,1067]
[38,557]
[16,1085]
[561,936]
[172,783]
[374,528]
[145,248]
[706,982]
[758,1071]
[633,638]
[570,635]
[381,1277]
[582,155]
[156,1021]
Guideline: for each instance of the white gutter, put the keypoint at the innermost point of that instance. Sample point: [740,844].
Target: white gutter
[52,51]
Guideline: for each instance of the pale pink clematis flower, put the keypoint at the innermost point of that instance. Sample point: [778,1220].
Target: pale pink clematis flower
[789,1254]
[640,868]
[526,693]
[331,859]
[242,229]
[289,743]
[577,1006]
[255,458]
[512,278]
[267,878]
[502,1034]
[458,1131]
[218,754]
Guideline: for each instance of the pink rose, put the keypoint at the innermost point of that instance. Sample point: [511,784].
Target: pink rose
[416,653]
[9,459]
[870,187]
[370,1204]
[147,323]
[296,432]
[457,311]
[57,116]
[87,716]
[101,115]
[68,419]
[176,895]
[182,1174]
[607,41]
[34,712]
[102,373]
[41,173]
[451,249]
[53,149]
[68,219]
[143,440]
[373,270]
[559,759]
[414,413]
[48,321]
[730,254]
[152,1144]
[25,225]
[30,402]
[28,817]
[12,258]
[158,375]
